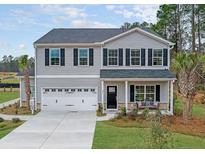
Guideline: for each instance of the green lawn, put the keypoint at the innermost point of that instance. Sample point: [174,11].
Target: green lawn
[111,137]
[6,96]
[7,126]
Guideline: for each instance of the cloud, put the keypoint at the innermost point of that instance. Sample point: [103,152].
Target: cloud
[63,10]
[91,24]
[22,46]
[142,12]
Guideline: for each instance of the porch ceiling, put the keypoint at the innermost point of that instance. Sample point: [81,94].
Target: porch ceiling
[137,73]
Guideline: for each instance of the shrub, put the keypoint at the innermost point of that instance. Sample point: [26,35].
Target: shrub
[1,119]
[16,111]
[145,113]
[159,137]
[178,111]
[15,120]
[123,111]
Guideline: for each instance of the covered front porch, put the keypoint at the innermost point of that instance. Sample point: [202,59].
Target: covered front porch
[137,93]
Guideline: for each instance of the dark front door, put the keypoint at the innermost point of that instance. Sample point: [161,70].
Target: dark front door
[111,97]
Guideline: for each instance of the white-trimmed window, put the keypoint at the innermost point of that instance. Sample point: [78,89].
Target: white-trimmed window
[54,56]
[83,57]
[112,57]
[157,57]
[135,57]
[145,93]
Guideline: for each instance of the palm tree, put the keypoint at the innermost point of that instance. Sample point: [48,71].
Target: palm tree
[187,67]
[23,64]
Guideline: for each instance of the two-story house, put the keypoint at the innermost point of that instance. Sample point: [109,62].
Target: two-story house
[78,69]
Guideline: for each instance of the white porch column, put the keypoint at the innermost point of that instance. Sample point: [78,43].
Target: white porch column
[102,94]
[171,97]
[126,95]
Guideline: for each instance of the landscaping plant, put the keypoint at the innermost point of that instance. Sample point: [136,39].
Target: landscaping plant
[188,67]
[159,137]
[1,119]
[24,66]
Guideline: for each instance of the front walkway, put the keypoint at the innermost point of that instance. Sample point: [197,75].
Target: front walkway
[53,130]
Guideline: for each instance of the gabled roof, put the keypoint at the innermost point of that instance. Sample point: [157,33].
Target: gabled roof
[79,35]
[136,73]
[91,35]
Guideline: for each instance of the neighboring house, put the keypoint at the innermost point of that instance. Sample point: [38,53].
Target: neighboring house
[77,69]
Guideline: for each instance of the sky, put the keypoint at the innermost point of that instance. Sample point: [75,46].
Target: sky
[21,25]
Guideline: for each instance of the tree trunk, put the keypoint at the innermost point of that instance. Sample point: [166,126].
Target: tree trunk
[27,86]
[179,27]
[193,27]
[199,30]
[176,30]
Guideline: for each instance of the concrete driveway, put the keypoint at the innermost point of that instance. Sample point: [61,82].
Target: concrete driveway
[53,130]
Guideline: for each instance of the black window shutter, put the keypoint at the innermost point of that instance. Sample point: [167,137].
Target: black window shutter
[132,97]
[75,57]
[149,57]
[46,57]
[165,57]
[127,57]
[104,56]
[120,57]
[91,60]
[158,93]
[62,57]
[142,57]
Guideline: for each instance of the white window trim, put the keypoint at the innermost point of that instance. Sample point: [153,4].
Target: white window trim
[158,57]
[79,56]
[50,57]
[145,86]
[109,57]
[134,57]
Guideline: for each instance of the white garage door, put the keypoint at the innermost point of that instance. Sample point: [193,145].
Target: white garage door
[69,99]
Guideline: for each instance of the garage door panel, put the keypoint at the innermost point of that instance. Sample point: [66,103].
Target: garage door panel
[69,101]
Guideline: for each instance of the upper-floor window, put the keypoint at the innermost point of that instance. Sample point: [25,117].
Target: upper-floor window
[157,57]
[135,57]
[55,56]
[112,57]
[83,57]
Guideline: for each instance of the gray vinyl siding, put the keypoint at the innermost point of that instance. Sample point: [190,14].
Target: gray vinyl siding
[69,68]
[22,90]
[66,83]
[164,95]
[136,41]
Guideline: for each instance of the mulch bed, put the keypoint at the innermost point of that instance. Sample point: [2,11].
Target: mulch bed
[195,127]
[176,124]
[15,109]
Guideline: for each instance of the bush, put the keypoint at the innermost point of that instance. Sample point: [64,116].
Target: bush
[145,113]
[123,111]
[178,111]
[159,137]
[1,119]
[15,120]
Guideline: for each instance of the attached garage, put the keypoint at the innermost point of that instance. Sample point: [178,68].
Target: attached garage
[69,99]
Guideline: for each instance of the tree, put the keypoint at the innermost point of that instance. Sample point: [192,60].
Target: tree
[24,67]
[193,28]
[187,67]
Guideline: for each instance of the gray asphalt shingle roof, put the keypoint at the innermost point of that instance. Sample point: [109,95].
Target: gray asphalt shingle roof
[140,73]
[79,35]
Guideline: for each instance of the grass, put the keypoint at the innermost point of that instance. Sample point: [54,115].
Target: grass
[14,80]
[7,126]
[7,96]
[108,136]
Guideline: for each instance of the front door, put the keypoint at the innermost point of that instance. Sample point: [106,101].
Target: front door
[111,97]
